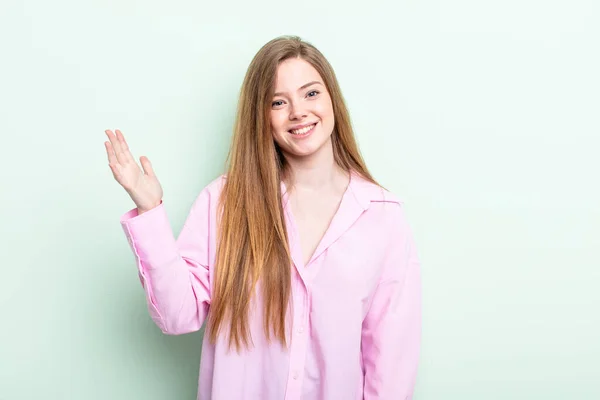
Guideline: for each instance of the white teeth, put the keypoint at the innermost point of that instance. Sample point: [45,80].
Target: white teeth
[303,130]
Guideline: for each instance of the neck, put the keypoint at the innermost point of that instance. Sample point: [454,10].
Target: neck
[314,172]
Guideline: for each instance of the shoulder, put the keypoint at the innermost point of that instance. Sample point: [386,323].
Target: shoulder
[215,186]
[209,195]
[368,193]
[385,208]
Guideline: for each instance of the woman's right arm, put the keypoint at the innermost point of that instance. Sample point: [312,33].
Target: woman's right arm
[174,273]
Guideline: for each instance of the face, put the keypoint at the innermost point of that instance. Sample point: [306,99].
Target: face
[301,110]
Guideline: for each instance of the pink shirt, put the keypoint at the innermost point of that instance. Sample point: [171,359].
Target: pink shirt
[355,317]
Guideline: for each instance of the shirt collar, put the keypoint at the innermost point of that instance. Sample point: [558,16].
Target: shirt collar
[363,191]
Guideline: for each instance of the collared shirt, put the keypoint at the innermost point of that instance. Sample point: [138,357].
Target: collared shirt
[354,322]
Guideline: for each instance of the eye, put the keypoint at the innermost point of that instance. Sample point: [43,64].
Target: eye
[276,103]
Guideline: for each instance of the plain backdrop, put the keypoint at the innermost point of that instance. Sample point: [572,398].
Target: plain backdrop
[482,115]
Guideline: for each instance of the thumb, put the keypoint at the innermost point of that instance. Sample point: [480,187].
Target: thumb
[147,166]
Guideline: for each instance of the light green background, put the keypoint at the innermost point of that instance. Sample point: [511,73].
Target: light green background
[482,115]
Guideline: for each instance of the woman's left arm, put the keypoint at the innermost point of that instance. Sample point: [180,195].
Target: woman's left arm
[391,332]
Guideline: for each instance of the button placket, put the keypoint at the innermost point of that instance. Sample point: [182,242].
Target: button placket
[298,344]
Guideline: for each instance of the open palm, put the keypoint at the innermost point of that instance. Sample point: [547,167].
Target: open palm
[141,184]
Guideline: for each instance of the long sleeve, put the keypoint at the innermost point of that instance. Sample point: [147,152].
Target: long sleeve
[174,273]
[391,332]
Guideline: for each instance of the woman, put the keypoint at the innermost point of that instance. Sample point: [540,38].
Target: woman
[303,266]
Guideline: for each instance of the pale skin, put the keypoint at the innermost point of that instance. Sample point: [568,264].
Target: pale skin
[316,182]
[141,184]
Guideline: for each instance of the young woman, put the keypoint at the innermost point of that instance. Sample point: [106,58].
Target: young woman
[304,268]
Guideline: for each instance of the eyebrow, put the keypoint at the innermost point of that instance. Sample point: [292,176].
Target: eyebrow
[301,87]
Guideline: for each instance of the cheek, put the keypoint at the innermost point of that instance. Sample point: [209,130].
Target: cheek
[277,123]
[325,109]
[277,127]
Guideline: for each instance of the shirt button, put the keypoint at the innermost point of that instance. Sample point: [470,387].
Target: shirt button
[295,375]
[300,330]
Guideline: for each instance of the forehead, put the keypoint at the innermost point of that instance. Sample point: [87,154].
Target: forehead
[293,73]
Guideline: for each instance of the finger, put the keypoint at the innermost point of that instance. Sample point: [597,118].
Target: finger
[114,140]
[124,147]
[147,166]
[110,152]
[113,163]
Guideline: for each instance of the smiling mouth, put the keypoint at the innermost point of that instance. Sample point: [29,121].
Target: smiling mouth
[303,131]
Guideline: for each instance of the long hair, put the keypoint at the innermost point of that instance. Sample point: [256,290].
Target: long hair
[252,242]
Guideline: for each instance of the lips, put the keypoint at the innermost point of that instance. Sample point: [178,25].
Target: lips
[303,130]
[295,127]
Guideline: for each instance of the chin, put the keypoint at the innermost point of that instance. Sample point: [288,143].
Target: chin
[307,148]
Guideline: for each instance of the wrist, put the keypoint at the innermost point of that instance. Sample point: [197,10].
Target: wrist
[142,210]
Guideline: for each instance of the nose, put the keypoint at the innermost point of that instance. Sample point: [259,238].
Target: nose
[297,111]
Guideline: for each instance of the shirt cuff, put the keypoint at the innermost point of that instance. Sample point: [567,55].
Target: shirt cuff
[150,236]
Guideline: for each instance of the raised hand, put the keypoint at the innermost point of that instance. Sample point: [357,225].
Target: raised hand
[140,183]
